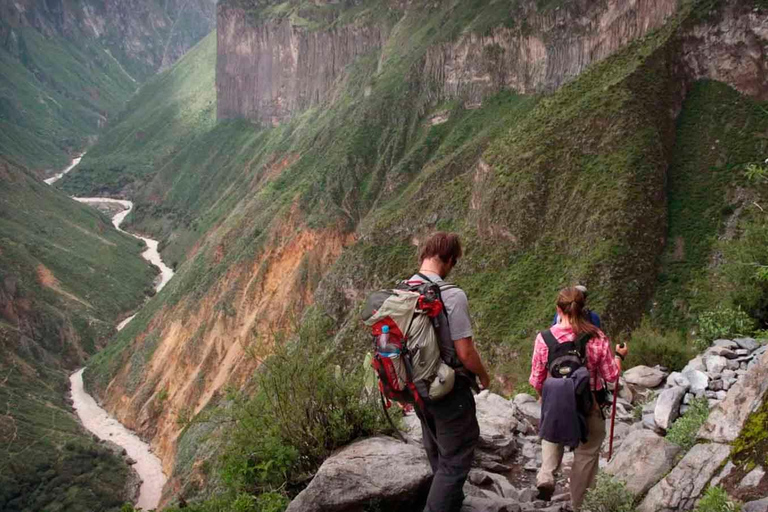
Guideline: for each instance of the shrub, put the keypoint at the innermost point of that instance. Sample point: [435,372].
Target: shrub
[683,431]
[650,346]
[723,322]
[715,499]
[608,495]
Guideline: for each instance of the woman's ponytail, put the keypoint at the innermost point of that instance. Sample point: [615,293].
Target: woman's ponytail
[571,303]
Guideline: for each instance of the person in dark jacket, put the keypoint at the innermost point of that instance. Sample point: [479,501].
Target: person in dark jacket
[602,365]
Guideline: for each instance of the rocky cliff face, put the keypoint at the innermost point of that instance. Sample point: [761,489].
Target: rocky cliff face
[269,70]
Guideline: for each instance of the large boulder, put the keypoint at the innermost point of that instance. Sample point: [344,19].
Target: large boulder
[698,380]
[644,376]
[680,489]
[727,418]
[747,343]
[529,407]
[668,407]
[496,417]
[378,468]
[697,363]
[756,506]
[644,457]
[715,364]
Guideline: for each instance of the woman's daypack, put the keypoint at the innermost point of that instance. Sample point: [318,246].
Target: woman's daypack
[419,363]
[567,397]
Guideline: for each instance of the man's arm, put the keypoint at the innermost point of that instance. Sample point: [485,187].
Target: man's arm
[465,349]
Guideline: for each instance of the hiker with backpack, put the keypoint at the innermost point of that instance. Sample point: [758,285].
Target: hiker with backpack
[590,315]
[570,362]
[424,354]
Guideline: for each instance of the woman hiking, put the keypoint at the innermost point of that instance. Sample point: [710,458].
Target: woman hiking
[581,355]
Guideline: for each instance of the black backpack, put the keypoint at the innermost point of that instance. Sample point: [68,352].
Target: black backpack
[564,359]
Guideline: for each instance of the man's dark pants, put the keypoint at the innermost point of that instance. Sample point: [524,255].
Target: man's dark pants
[451,448]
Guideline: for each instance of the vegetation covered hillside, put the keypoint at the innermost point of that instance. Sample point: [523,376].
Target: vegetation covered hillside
[67,67]
[66,276]
[642,178]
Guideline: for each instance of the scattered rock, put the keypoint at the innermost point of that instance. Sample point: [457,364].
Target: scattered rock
[722,352]
[727,419]
[697,364]
[723,474]
[725,344]
[643,459]
[478,504]
[716,385]
[698,379]
[679,380]
[668,407]
[529,407]
[732,364]
[680,489]
[729,374]
[496,483]
[753,478]
[741,352]
[747,343]
[688,398]
[644,376]
[363,471]
[715,364]
[756,506]
[721,395]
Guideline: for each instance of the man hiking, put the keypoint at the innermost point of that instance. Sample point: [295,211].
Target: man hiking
[449,426]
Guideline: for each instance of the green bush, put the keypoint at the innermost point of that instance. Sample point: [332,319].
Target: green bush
[724,322]
[608,495]
[715,499]
[650,346]
[683,431]
[304,408]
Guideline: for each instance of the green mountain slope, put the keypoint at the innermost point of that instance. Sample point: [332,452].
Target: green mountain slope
[65,277]
[64,75]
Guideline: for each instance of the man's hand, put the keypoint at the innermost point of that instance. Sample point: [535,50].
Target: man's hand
[465,350]
[485,381]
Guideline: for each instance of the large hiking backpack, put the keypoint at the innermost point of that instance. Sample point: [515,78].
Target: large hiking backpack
[564,360]
[418,363]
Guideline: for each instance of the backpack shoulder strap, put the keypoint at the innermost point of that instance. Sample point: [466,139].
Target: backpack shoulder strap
[550,340]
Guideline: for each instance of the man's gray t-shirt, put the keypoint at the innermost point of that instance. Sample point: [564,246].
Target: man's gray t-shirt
[456,305]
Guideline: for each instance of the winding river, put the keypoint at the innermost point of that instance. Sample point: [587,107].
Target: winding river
[94,418]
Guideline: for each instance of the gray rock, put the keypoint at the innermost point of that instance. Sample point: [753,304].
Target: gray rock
[727,419]
[722,352]
[698,379]
[743,366]
[715,364]
[687,398]
[725,343]
[668,407]
[721,395]
[747,343]
[697,364]
[728,374]
[740,372]
[643,459]
[756,506]
[710,394]
[644,377]
[493,482]
[496,417]
[365,471]
[683,409]
[488,504]
[712,402]
[732,364]
[753,478]
[727,384]
[716,385]
[679,380]
[741,352]
[729,466]
[680,489]
[130,461]
[528,407]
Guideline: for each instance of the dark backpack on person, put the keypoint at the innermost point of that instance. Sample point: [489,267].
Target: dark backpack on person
[563,361]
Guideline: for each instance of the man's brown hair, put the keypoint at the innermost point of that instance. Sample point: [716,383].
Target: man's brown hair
[446,246]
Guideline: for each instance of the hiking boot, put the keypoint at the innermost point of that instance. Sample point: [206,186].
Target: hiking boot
[545,492]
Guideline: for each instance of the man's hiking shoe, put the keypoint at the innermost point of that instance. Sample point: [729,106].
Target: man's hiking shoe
[545,492]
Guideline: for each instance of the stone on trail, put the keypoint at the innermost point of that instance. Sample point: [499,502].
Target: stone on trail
[364,471]
[679,380]
[727,418]
[643,459]
[697,363]
[698,379]
[723,352]
[529,407]
[747,343]
[644,376]
[756,506]
[753,478]
[725,344]
[668,407]
[497,484]
[487,504]
[715,364]
[680,489]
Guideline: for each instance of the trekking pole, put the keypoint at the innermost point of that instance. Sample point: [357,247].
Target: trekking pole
[613,413]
